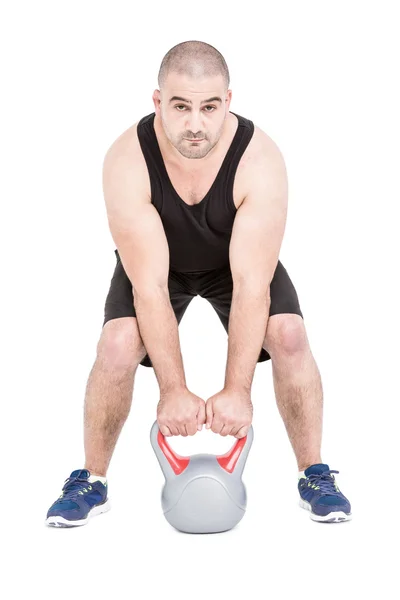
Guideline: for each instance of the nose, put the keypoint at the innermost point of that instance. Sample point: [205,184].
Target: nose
[194,125]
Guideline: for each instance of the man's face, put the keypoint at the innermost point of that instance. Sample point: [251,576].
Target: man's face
[189,118]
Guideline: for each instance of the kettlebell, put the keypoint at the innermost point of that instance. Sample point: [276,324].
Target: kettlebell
[202,493]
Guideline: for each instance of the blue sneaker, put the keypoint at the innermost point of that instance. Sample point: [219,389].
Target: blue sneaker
[319,493]
[79,500]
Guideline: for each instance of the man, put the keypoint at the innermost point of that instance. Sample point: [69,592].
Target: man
[196,199]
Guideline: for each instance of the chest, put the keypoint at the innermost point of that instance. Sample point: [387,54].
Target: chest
[193,187]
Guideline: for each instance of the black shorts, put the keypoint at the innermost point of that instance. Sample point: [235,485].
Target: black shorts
[215,286]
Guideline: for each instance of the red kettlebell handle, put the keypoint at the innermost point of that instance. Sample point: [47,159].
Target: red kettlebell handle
[179,463]
[228,461]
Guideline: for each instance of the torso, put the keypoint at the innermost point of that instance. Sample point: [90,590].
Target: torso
[193,186]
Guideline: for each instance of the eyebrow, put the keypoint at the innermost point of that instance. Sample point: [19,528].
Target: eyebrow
[213,99]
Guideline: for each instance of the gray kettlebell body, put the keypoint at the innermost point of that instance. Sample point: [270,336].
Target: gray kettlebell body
[203,493]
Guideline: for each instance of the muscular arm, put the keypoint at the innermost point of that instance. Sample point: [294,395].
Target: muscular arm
[138,233]
[254,252]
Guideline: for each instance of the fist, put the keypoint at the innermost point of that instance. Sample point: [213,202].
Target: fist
[229,413]
[180,412]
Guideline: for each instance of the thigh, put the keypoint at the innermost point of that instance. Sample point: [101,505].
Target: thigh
[120,301]
[284,299]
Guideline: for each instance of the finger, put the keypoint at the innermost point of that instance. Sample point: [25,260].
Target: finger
[243,431]
[233,430]
[224,431]
[210,414]
[165,430]
[217,425]
[191,427]
[182,430]
[201,416]
[174,429]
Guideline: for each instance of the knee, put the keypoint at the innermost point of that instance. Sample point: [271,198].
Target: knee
[286,335]
[120,344]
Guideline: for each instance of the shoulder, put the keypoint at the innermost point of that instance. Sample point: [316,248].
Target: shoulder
[263,162]
[124,158]
[262,148]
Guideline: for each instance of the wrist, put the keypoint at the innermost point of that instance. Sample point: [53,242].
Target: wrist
[237,388]
[173,388]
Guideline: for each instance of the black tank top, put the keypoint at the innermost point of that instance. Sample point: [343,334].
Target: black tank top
[198,235]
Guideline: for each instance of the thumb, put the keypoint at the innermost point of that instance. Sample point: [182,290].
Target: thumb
[210,414]
[201,415]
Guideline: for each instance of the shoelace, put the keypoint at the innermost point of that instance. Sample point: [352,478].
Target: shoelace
[74,486]
[325,482]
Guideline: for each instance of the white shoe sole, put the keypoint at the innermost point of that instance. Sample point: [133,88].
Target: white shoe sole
[337,516]
[56,521]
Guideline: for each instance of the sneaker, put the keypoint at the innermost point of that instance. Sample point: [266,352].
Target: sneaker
[319,493]
[79,500]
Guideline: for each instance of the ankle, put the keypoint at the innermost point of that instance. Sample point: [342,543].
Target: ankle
[96,472]
[303,466]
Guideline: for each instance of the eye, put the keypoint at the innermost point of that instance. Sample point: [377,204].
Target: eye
[183,106]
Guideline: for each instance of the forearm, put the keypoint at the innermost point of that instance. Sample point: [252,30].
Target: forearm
[159,331]
[247,328]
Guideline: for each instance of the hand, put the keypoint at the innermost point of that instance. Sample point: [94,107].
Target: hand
[230,412]
[179,412]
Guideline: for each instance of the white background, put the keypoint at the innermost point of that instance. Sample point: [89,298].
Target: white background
[321,79]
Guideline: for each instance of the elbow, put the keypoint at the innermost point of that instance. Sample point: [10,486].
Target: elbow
[252,289]
[148,292]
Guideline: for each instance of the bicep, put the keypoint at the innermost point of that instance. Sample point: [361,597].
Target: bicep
[135,226]
[260,224]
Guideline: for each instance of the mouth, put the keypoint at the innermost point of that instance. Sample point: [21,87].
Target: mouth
[192,140]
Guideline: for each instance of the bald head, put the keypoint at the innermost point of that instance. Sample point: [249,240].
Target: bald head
[194,59]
